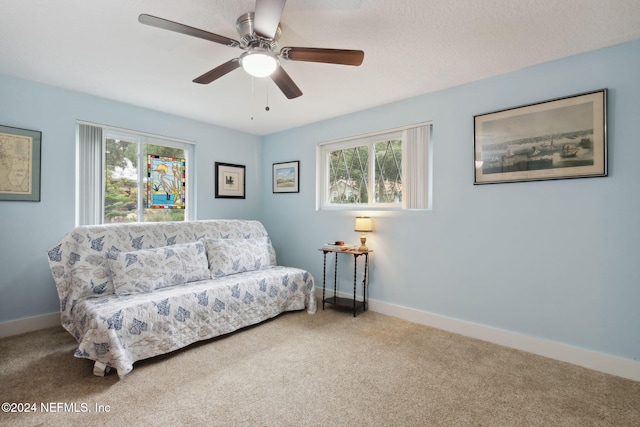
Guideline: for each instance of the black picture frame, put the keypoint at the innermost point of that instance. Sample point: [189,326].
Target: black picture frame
[286,177]
[229,181]
[20,150]
[556,139]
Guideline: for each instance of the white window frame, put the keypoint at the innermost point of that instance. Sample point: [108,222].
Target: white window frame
[92,196]
[323,150]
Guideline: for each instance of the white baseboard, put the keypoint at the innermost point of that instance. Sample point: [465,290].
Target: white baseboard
[606,363]
[20,326]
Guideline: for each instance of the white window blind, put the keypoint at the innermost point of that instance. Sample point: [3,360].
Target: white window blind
[89,176]
[416,169]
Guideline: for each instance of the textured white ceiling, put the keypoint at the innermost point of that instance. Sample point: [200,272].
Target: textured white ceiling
[411,47]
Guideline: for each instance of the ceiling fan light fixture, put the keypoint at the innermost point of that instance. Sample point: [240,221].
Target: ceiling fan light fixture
[259,62]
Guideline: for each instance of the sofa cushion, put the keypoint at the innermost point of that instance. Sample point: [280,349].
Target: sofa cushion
[231,256]
[148,269]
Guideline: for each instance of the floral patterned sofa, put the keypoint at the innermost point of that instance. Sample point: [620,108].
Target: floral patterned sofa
[133,291]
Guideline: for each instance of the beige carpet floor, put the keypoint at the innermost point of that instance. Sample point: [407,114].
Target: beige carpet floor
[328,369]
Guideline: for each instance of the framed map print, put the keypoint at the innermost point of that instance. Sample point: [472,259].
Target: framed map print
[20,164]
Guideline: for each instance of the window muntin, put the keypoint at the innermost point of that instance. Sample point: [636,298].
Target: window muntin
[351,172]
[349,175]
[367,171]
[388,171]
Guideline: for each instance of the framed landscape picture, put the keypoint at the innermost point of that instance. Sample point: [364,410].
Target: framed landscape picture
[230,181]
[20,164]
[286,177]
[556,139]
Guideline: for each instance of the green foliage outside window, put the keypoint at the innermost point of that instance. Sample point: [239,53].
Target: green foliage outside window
[122,186]
[349,173]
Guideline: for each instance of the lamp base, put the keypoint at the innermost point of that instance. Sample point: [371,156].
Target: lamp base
[363,247]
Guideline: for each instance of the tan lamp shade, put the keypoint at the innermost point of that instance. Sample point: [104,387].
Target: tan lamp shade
[363,224]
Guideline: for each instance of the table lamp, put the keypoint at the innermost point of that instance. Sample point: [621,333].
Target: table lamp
[363,224]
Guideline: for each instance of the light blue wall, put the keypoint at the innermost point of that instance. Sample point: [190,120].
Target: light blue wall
[558,260]
[29,229]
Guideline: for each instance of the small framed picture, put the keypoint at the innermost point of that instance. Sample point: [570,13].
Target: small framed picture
[286,177]
[20,164]
[556,139]
[230,181]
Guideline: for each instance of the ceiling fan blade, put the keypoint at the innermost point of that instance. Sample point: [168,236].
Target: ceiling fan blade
[329,56]
[218,72]
[267,17]
[286,85]
[165,24]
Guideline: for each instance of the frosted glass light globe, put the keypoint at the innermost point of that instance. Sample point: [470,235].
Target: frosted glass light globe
[259,63]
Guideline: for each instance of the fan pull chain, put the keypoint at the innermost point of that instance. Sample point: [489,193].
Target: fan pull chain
[267,107]
[252,92]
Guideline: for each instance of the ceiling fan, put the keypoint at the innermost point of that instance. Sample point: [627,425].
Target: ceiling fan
[259,32]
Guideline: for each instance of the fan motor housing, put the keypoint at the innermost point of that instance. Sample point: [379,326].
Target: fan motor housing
[249,38]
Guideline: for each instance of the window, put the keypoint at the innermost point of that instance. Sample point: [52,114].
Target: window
[383,170]
[126,176]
